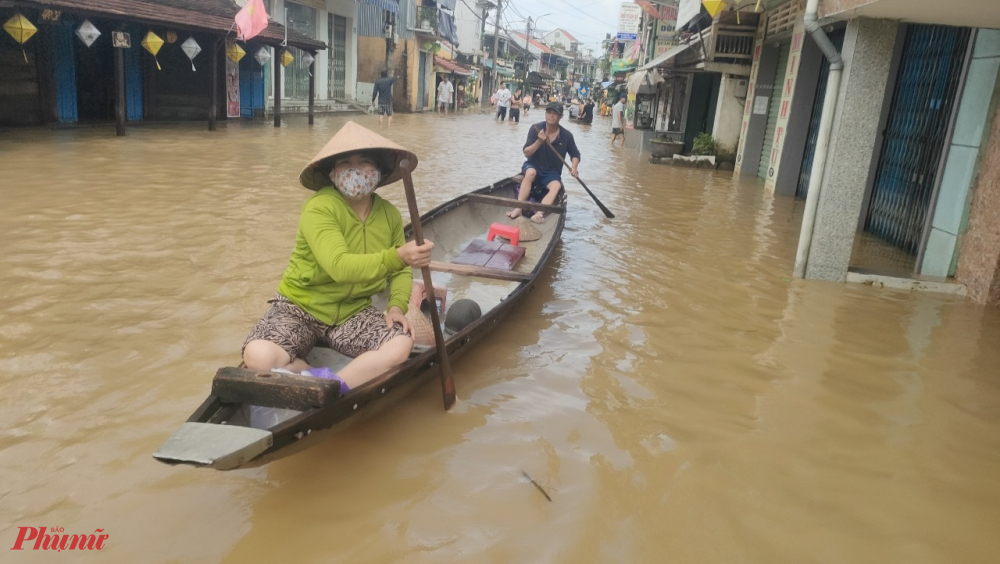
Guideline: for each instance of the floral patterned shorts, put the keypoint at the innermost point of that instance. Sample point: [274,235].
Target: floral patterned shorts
[297,332]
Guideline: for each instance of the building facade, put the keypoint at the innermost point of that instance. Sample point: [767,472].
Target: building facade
[198,70]
[903,181]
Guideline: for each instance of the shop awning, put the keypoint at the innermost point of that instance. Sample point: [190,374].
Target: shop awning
[538,77]
[451,67]
[666,60]
[500,70]
[643,80]
[183,15]
[388,5]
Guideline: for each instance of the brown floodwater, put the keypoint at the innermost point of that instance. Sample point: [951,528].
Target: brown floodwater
[679,397]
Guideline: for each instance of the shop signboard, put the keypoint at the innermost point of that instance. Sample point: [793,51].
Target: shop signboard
[628,21]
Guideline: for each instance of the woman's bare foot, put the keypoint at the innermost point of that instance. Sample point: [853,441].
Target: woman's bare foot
[539,217]
[514,213]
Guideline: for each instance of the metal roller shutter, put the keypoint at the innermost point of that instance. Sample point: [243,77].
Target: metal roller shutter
[774,107]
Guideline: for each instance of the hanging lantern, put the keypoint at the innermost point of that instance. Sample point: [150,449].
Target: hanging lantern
[152,43]
[21,30]
[307,60]
[191,49]
[262,56]
[87,33]
[714,6]
[171,37]
[235,52]
[286,58]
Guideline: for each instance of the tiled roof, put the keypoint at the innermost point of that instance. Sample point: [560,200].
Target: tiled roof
[535,43]
[452,66]
[568,35]
[210,15]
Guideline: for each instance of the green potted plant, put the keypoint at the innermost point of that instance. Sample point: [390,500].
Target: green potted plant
[704,145]
[662,147]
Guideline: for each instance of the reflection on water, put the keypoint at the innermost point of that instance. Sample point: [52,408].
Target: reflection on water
[679,397]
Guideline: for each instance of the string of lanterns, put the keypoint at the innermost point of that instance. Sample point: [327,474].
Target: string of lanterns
[21,29]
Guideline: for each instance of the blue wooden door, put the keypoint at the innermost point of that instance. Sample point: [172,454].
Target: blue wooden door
[422,83]
[251,86]
[64,62]
[133,76]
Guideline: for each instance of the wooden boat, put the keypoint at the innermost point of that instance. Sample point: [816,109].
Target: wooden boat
[253,417]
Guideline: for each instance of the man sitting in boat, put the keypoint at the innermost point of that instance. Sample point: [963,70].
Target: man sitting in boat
[349,247]
[543,169]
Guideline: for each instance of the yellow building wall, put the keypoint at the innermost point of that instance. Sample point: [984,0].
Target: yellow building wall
[405,65]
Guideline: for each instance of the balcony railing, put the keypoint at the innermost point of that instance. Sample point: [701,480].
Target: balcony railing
[427,19]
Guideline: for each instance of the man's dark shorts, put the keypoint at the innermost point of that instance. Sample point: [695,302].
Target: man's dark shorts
[385,109]
[617,131]
[543,177]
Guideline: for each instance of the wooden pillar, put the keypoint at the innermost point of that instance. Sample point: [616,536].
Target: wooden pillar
[119,92]
[213,110]
[312,90]
[277,87]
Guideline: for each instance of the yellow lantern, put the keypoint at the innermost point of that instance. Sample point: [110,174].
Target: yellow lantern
[21,30]
[152,43]
[235,52]
[714,6]
[286,58]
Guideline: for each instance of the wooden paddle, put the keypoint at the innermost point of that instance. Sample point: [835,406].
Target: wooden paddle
[447,382]
[604,208]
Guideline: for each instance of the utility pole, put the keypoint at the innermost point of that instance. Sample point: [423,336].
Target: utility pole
[527,54]
[482,51]
[496,46]
[388,28]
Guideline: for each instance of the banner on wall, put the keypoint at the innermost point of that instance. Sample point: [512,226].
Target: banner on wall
[232,84]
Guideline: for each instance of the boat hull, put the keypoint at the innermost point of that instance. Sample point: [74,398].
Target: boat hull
[306,428]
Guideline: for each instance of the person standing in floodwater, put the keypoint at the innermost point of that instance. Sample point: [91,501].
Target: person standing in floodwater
[503,101]
[617,121]
[515,107]
[383,93]
[445,91]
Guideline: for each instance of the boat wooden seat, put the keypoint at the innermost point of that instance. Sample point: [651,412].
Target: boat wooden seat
[273,389]
[480,271]
[513,203]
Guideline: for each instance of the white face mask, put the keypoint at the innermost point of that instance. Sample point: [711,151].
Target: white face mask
[355,183]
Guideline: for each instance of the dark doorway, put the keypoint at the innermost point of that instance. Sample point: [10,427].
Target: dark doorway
[95,78]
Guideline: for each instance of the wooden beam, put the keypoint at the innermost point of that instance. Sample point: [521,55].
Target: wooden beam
[120,91]
[312,90]
[480,271]
[276,65]
[213,110]
[509,202]
[272,389]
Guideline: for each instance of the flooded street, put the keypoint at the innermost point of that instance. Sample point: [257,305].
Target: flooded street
[676,393]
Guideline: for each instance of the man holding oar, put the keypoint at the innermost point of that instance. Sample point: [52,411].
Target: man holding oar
[544,167]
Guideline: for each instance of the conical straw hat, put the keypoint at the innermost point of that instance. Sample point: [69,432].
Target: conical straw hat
[352,138]
[528,230]
[423,331]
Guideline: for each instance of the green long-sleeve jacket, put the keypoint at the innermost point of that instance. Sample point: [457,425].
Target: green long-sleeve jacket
[339,263]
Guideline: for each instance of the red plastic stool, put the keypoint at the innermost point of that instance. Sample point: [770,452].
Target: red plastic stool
[505,231]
